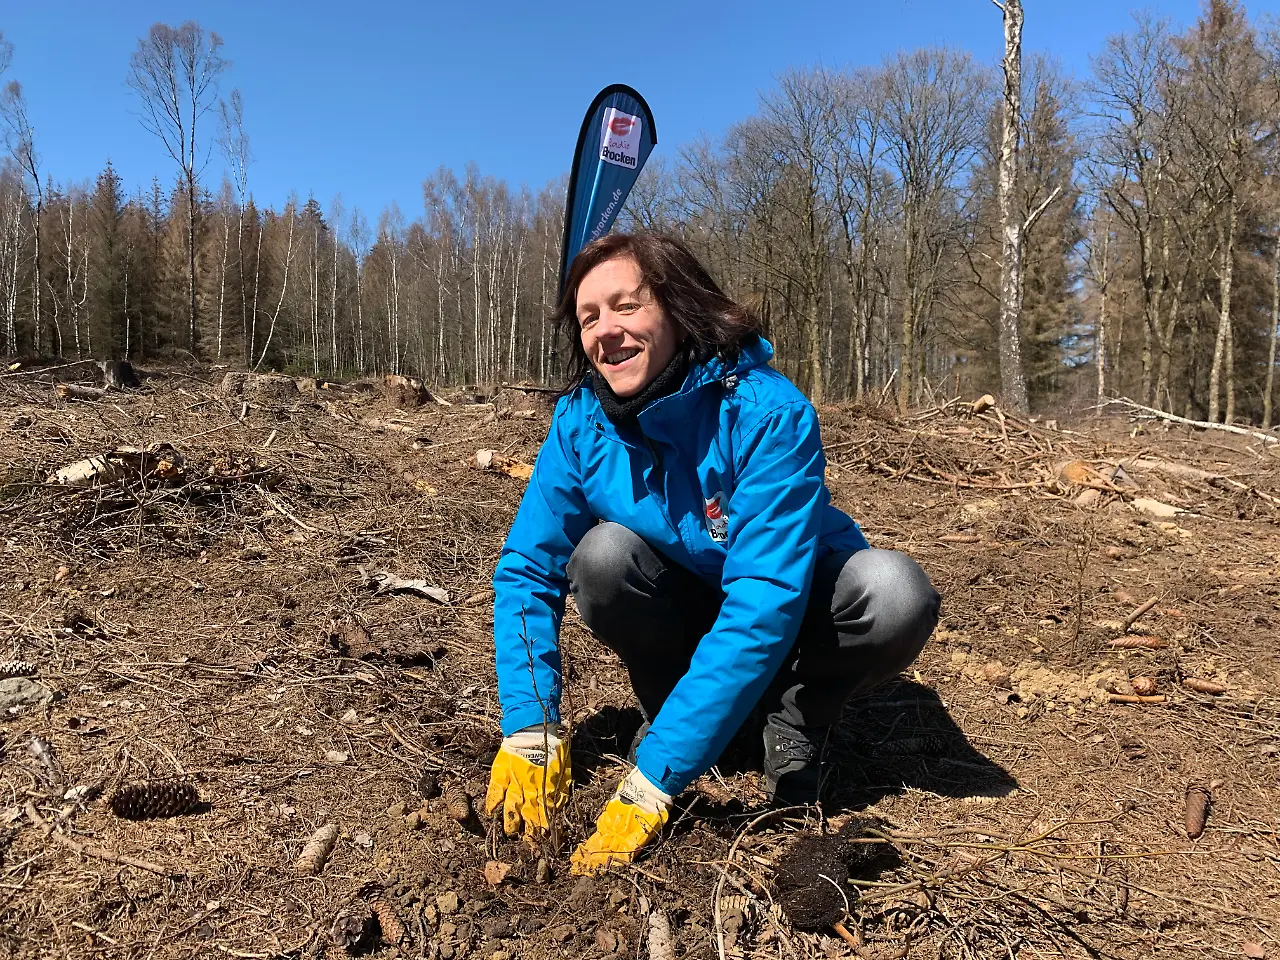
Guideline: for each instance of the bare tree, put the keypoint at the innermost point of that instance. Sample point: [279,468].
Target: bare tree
[175,71]
[934,104]
[20,137]
[235,148]
[1013,381]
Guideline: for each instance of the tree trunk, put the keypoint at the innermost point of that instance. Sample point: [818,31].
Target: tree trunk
[1229,361]
[1227,245]
[222,285]
[191,257]
[1013,382]
[1271,352]
[1166,347]
[39,264]
[906,362]
[1103,277]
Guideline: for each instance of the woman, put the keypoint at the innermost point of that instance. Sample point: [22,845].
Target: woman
[680,497]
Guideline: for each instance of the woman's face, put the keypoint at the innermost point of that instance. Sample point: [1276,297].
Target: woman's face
[625,332]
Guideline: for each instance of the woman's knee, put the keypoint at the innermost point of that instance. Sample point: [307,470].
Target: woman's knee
[890,598]
[604,560]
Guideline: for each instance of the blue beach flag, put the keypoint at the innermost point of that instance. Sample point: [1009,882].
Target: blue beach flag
[616,139]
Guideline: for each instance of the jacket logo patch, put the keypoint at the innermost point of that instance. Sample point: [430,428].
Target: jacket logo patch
[717,514]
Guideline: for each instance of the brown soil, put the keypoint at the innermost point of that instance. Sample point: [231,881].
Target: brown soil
[221,625]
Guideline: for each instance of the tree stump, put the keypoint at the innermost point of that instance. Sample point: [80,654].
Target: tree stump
[404,393]
[253,386]
[119,375]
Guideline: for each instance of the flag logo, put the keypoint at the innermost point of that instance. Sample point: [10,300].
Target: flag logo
[620,139]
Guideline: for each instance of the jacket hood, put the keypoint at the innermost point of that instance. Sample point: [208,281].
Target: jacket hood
[755,353]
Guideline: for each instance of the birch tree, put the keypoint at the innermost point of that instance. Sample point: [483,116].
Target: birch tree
[20,137]
[175,73]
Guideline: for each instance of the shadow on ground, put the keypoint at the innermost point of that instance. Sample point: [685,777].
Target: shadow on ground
[901,737]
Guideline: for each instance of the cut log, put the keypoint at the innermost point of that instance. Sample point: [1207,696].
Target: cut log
[259,387]
[404,393]
[73,391]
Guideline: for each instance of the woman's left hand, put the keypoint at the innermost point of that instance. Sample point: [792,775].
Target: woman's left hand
[632,819]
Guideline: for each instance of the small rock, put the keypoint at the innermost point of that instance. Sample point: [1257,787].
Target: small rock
[18,692]
[396,810]
[580,893]
[446,951]
[617,897]
[414,820]
[496,928]
[362,840]
[447,903]
[543,873]
[351,716]
[606,940]
[336,756]
[563,933]
[499,955]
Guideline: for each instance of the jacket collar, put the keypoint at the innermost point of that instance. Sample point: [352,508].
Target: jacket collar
[676,407]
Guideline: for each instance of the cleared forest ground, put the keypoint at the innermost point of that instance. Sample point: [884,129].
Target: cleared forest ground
[216,610]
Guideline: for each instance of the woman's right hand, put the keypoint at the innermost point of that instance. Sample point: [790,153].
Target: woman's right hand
[530,781]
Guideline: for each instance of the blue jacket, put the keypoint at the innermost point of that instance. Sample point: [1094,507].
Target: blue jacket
[727,480]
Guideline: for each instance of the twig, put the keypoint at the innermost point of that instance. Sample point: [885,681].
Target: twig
[85,850]
[1127,698]
[280,509]
[1139,614]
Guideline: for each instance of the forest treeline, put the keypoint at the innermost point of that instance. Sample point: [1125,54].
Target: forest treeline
[857,210]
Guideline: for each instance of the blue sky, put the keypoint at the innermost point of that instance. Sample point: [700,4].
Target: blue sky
[367,99]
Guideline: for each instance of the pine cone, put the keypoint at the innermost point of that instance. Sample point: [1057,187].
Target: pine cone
[457,801]
[352,926]
[1198,801]
[393,931]
[17,668]
[153,799]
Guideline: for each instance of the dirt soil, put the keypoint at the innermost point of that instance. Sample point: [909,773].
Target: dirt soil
[213,611]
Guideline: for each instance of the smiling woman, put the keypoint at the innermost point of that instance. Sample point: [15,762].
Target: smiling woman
[680,497]
[624,331]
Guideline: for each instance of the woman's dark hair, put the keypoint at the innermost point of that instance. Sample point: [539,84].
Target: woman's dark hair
[713,324]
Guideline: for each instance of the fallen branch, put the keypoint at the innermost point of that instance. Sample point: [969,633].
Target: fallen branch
[1198,424]
[516,386]
[85,850]
[38,370]
[73,391]
[280,509]
[1138,614]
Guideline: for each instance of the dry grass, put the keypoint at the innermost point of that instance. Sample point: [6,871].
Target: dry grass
[218,628]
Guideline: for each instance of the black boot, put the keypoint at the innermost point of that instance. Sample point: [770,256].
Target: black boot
[793,762]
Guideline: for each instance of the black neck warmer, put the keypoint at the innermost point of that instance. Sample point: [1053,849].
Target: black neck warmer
[626,411]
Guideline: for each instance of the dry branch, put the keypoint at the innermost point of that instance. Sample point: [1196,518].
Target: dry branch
[1198,424]
[89,851]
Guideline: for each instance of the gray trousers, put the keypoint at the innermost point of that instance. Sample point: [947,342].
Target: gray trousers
[869,615]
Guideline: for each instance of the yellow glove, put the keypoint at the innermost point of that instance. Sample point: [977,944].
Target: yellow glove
[530,780]
[633,817]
